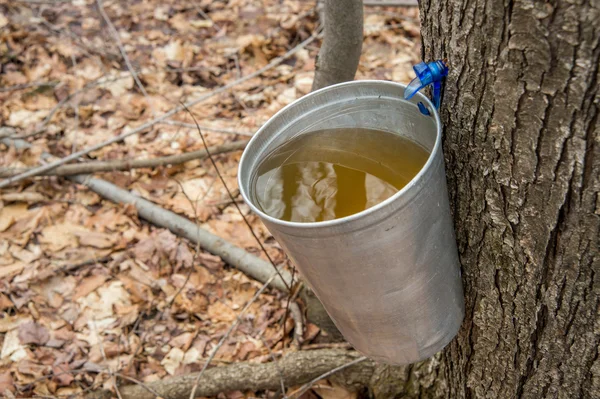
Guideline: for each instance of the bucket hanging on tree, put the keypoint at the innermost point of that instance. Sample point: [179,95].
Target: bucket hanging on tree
[388,276]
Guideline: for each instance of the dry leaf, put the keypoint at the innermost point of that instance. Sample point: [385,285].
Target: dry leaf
[60,236]
[3,23]
[8,270]
[220,312]
[62,375]
[12,348]
[333,391]
[6,382]
[33,333]
[5,303]
[11,322]
[88,285]
[173,360]
[118,87]
[95,239]
[10,214]
[99,304]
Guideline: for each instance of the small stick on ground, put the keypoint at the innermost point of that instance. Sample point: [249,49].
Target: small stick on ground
[115,35]
[297,368]
[126,164]
[296,314]
[28,85]
[204,127]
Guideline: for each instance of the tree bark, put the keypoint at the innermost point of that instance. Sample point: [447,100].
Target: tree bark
[522,146]
[339,55]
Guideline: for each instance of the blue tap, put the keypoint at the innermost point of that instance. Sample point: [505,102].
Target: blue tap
[428,73]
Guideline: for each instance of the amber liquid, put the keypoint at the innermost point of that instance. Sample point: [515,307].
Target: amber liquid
[334,173]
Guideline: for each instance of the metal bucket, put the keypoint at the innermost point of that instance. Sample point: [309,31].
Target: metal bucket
[388,276]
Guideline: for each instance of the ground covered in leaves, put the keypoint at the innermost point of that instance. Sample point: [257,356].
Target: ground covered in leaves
[90,294]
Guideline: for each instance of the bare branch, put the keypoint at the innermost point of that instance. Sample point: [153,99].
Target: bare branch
[115,35]
[296,368]
[126,164]
[204,127]
[28,85]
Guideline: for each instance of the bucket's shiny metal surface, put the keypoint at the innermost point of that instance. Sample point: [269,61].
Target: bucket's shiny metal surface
[389,276]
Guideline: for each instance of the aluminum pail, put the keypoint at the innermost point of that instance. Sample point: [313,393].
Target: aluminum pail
[388,276]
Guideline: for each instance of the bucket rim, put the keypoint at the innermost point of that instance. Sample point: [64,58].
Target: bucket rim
[418,97]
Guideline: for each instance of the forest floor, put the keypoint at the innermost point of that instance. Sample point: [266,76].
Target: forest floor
[88,287]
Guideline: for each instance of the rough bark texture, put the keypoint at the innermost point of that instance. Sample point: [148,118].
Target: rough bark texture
[339,55]
[520,110]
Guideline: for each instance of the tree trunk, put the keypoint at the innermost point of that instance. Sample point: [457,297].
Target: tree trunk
[339,55]
[522,147]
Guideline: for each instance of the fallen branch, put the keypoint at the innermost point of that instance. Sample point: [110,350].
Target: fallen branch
[237,257]
[54,164]
[296,368]
[125,164]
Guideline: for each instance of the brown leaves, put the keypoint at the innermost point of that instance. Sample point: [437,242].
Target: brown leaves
[33,333]
[61,295]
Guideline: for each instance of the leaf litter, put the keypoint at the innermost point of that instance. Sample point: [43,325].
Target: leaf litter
[79,273]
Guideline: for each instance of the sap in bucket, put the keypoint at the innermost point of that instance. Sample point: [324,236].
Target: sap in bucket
[388,275]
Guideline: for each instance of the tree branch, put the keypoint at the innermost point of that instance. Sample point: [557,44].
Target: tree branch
[125,164]
[342,44]
[296,368]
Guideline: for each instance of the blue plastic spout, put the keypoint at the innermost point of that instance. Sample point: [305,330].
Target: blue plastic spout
[428,73]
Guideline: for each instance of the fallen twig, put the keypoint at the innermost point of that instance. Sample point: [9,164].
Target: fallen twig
[117,38]
[296,315]
[204,127]
[125,164]
[28,85]
[52,165]
[296,368]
